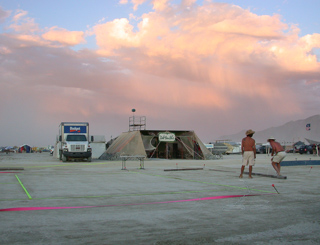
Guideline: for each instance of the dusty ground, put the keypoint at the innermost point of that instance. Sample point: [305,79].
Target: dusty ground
[153,206]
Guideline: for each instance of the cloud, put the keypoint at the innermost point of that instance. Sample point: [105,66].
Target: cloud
[206,37]
[208,27]
[213,68]
[23,24]
[114,35]
[157,4]
[123,1]
[135,3]
[160,5]
[28,31]
[70,38]
[4,14]
[240,58]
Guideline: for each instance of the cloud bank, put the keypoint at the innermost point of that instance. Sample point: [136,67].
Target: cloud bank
[214,68]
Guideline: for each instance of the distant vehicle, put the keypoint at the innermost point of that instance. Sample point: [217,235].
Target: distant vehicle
[295,149]
[306,149]
[219,148]
[261,149]
[292,150]
[9,149]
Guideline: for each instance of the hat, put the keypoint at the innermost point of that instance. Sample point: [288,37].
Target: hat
[271,138]
[250,132]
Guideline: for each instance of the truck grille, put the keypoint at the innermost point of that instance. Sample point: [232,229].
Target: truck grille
[77,148]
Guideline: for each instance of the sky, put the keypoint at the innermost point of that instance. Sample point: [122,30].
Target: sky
[215,67]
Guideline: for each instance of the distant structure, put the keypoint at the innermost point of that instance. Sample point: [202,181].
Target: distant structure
[162,144]
[137,123]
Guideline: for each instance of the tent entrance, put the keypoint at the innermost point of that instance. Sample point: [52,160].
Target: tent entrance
[181,148]
[167,150]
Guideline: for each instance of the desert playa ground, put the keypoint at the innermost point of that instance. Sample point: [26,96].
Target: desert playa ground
[51,202]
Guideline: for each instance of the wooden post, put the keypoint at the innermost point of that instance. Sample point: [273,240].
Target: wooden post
[166,150]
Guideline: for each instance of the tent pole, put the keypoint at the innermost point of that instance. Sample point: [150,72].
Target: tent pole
[190,148]
[155,150]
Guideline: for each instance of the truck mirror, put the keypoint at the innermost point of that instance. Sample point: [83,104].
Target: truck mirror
[92,138]
[60,138]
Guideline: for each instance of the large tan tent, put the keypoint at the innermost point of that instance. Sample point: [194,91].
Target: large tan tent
[158,144]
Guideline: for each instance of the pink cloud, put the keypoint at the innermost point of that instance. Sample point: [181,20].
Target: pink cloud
[214,69]
[23,24]
[222,48]
[65,37]
[228,33]
[115,34]
[160,5]
[136,3]
[4,14]
[25,40]
[209,31]
[157,4]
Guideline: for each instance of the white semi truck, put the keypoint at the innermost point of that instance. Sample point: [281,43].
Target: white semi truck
[73,141]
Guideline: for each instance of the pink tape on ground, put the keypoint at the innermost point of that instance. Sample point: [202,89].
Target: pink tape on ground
[130,204]
[8,172]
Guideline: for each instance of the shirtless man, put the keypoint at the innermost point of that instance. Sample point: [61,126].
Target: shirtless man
[278,154]
[248,148]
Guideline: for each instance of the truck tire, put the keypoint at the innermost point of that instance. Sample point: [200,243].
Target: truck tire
[89,159]
[64,158]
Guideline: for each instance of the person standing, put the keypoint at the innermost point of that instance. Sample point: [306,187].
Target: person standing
[314,149]
[248,149]
[278,154]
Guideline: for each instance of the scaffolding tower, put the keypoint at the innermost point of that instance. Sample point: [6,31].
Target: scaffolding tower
[137,123]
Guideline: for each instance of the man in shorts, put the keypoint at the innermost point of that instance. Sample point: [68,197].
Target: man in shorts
[248,149]
[278,154]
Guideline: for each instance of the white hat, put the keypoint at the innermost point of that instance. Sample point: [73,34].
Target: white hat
[271,138]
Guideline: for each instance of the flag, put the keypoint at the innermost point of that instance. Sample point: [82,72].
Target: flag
[308,127]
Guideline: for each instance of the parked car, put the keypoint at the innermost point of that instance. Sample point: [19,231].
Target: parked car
[297,148]
[306,149]
[293,150]
[51,151]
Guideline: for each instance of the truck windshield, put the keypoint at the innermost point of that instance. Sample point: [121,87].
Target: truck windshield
[76,138]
